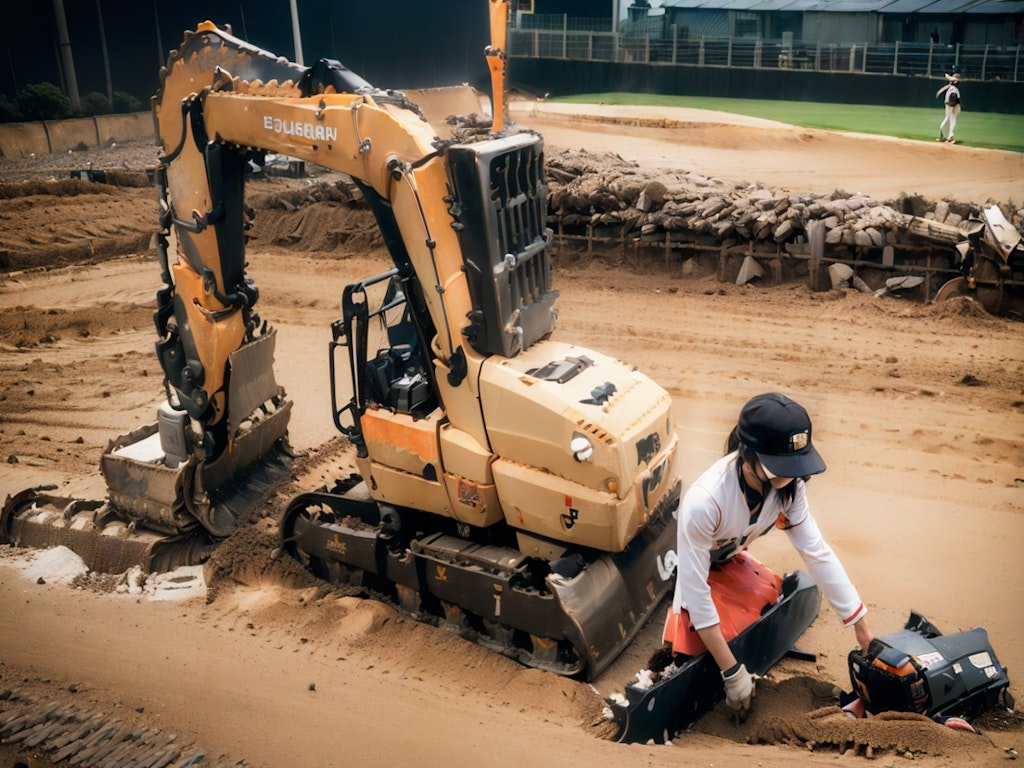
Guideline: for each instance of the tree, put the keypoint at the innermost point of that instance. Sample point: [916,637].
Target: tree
[96,103]
[9,112]
[125,102]
[43,101]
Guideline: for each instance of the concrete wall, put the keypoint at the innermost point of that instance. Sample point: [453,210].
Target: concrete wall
[46,137]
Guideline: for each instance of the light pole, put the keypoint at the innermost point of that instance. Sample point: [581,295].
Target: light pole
[65,47]
[161,54]
[295,33]
[106,58]
[10,63]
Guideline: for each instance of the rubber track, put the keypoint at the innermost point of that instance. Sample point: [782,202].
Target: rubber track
[79,737]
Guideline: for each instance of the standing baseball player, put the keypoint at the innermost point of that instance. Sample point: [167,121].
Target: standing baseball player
[952,101]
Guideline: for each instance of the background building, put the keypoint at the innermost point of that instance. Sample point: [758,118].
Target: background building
[849,51]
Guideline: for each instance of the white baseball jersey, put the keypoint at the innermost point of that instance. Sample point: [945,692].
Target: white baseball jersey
[715,524]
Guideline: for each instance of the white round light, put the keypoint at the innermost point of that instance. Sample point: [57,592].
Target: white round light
[581,449]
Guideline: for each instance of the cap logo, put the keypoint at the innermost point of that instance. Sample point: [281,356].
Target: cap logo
[799,441]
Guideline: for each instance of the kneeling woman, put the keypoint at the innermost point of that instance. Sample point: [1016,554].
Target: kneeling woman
[758,485]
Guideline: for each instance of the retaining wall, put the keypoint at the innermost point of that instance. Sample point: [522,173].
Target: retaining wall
[48,136]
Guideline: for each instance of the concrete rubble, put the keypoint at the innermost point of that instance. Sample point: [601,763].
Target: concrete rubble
[605,190]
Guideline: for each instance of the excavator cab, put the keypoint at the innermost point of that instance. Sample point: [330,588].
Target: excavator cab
[397,376]
[384,351]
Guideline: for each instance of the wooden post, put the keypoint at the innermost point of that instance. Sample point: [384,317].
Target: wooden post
[927,277]
[816,238]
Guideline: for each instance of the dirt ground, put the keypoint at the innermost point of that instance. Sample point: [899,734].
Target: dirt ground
[918,410]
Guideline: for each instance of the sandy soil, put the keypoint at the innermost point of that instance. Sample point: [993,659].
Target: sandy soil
[919,411]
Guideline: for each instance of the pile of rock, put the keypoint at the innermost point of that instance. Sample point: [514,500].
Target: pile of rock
[605,190]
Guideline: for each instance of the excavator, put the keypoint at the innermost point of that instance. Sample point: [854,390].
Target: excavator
[517,485]
[518,489]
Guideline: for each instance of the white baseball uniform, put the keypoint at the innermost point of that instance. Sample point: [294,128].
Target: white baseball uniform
[715,523]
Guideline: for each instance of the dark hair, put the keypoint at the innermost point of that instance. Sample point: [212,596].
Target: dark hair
[747,455]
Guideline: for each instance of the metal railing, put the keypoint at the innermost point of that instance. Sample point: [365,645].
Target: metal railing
[982,62]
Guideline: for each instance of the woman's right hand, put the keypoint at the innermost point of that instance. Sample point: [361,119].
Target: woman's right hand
[739,689]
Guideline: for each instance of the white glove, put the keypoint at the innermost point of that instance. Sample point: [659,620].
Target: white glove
[739,689]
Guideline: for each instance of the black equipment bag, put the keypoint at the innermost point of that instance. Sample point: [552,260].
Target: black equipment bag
[921,670]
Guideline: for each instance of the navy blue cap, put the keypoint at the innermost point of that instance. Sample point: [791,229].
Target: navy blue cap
[778,430]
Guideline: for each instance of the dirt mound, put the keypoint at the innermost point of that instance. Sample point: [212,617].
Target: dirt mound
[72,187]
[54,188]
[249,557]
[803,712]
[89,221]
[328,217]
[961,307]
[71,221]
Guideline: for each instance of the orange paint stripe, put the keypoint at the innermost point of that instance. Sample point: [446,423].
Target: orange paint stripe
[422,442]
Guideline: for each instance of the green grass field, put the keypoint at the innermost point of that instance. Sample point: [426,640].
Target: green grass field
[974,129]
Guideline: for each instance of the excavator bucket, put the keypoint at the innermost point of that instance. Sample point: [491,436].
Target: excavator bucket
[164,509]
[37,519]
[147,519]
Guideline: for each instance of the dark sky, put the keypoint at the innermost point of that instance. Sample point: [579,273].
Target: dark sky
[390,43]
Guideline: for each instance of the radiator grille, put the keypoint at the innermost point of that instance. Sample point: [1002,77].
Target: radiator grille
[500,211]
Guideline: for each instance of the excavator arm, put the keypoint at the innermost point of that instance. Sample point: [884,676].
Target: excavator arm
[211,122]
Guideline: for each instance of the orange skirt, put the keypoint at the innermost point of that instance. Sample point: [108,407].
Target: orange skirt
[741,589]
